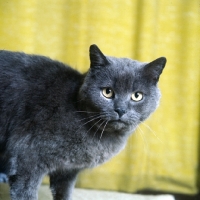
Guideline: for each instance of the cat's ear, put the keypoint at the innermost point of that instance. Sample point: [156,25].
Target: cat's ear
[153,69]
[96,57]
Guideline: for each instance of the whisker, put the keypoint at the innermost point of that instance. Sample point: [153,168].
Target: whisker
[87,123]
[143,138]
[85,134]
[93,125]
[82,111]
[91,120]
[152,132]
[98,115]
[131,138]
[98,128]
[103,130]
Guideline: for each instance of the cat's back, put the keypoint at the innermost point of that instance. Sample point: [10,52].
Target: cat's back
[28,66]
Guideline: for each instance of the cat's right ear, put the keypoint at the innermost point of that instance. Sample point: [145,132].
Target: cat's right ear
[97,58]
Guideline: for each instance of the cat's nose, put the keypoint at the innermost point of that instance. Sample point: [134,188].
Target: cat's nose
[120,111]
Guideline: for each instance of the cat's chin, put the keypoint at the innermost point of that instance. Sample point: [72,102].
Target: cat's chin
[117,124]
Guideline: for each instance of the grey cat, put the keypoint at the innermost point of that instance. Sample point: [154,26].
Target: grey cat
[57,121]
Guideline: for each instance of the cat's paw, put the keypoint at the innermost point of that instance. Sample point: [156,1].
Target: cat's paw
[3,178]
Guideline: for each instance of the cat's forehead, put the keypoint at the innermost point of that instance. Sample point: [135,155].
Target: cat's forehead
[125,63]
[117,70]
[121,72]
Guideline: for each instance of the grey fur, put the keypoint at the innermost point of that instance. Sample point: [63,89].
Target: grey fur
[55,120]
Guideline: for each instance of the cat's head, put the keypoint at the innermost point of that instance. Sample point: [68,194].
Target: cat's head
[119,91]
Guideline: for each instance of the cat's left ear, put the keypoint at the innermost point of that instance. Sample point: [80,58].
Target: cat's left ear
[153,69]
[97,58]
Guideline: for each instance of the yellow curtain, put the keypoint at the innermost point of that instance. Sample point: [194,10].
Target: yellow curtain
[163,154]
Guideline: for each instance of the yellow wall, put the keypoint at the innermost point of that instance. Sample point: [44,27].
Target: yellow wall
[164,153]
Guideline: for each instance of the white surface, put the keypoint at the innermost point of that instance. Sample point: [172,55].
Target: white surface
[82,194]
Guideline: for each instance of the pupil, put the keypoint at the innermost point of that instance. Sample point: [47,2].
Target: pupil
[136,95]
[108,91]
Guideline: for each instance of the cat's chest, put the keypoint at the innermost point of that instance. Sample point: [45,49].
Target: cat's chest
[89,154]
[79,148]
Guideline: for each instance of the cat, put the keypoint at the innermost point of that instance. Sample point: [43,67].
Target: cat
[57,121]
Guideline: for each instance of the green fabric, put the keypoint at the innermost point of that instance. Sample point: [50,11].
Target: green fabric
[4,192]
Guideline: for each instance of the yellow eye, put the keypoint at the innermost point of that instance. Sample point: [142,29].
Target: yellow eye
[108,93]
[137,96]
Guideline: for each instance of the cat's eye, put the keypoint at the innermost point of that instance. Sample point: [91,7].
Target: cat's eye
[137,96]
[108,93]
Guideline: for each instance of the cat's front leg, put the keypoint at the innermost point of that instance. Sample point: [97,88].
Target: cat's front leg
[24,186]
[62,184]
